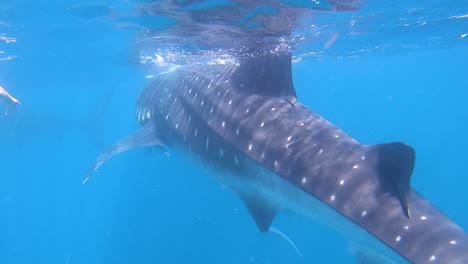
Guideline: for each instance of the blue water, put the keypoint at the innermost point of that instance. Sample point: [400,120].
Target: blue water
[75,73]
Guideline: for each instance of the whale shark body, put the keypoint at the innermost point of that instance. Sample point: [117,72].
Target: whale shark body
[242,119]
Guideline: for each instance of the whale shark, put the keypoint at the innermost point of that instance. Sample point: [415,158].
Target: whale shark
[241,118]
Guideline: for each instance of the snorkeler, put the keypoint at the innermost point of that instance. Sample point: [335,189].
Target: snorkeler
[9,100]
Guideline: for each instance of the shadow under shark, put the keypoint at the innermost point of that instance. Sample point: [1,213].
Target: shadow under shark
[243,120]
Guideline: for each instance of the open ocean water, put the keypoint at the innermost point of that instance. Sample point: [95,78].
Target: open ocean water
[391,71]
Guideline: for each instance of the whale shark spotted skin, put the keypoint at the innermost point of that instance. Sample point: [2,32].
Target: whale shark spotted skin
[243,120]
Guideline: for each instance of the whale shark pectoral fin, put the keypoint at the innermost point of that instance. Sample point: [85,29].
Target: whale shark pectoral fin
[262,211]
[395,164]
[144,137]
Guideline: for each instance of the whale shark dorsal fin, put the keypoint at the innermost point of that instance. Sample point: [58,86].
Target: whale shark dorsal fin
[144,137]
[262,211]
[266,75]
[395,164]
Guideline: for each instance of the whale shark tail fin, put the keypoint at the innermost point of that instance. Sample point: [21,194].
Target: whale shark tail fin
[146,136]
